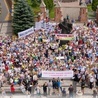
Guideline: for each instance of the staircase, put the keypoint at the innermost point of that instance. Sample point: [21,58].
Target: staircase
[5,28]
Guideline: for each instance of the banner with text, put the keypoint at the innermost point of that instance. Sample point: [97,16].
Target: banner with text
[56,74]
[64,36]
[26,32]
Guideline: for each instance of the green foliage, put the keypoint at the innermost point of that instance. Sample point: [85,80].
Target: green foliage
[49,4]
[51,14]
[89,7]
[23,17]
[94,5]
[34,3]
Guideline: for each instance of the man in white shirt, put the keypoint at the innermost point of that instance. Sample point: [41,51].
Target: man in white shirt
[91,82]
[49,87]
[0,80]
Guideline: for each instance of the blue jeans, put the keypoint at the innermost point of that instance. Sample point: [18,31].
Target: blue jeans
[71,95]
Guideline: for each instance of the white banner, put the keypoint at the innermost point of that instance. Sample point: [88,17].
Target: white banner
[26,32]
[45,25]
[38,25]
[56,74]
[60,58]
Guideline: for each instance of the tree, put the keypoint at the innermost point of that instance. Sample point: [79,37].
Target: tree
[34,3]
[94,5]
[23,17]
[49,4]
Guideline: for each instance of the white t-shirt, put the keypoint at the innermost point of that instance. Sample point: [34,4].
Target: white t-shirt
[91,79]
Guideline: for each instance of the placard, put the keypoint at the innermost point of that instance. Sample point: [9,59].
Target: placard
[56,74]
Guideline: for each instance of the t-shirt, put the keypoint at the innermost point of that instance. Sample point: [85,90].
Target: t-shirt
[70,89]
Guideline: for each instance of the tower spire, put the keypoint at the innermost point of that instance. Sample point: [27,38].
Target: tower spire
[42,4]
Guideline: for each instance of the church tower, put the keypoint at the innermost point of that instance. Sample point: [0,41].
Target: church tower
[58,12]
[83,12]
[43,9]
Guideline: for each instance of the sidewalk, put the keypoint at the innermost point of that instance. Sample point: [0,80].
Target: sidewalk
[41,82]
[36,96]
[87,91]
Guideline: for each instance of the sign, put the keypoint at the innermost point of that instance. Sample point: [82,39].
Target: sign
[56,74]
[60,57]
[38,25]
[65,36]
[45,25]
[26,32]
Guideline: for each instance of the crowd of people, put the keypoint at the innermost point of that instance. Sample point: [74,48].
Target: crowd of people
[22,60]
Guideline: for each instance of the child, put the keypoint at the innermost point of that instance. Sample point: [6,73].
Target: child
[94,94]
[63,93]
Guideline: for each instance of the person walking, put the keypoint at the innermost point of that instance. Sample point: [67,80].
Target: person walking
[91,82]
[94,94]
[97,81]
[22,87]
[49,87]
[1,82]
[71,91]
[62,83]
[63,92]
[82,85]
[58,86]
[45,89]
[54,85]
[30,88]
[12,89]
[3,93]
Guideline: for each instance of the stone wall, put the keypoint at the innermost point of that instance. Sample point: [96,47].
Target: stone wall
[83,14]
[58,14]
[72,12]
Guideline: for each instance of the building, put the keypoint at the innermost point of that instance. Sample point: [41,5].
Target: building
[71,9]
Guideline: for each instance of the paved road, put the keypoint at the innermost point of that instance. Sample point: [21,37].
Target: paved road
[4,10]
[6,6]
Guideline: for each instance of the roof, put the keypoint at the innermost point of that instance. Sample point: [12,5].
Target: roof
[83,4]
[57,4]
[42,4]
